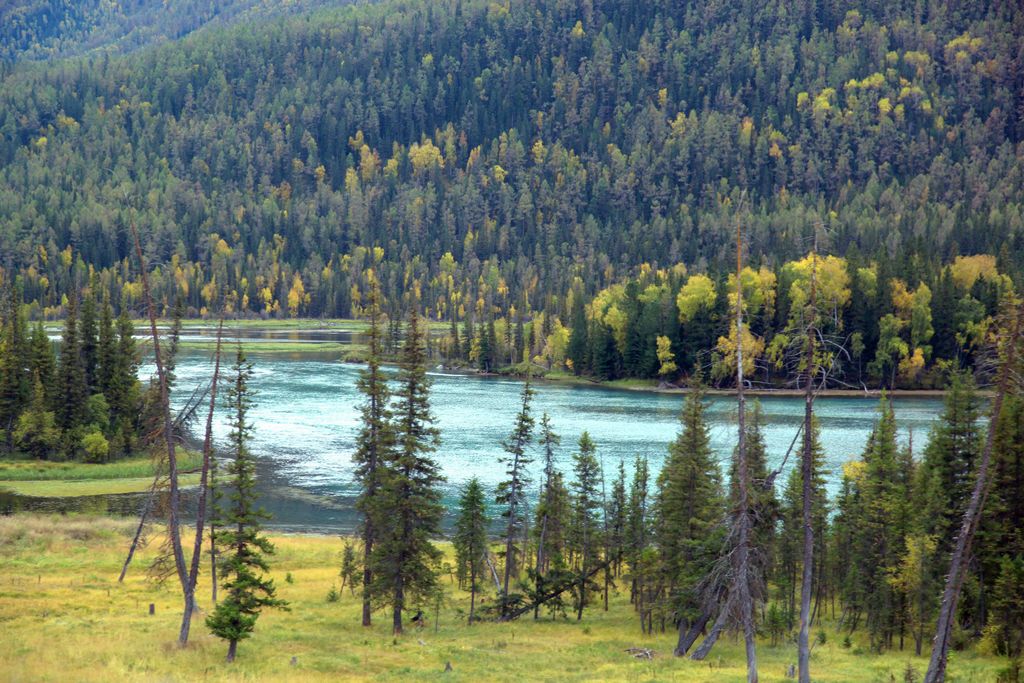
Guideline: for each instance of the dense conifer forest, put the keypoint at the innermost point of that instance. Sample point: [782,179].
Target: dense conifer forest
[510,160]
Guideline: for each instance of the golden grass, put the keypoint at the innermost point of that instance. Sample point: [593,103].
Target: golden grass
[64,617]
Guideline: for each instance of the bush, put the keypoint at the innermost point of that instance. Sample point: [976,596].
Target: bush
[96,446]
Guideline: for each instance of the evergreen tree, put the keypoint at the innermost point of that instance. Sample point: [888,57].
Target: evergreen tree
[88,341]
[71,388]
[550,524]
[585,533]
[15,380]
[43,363]
[616,516]
[123,392]
[637,527]
[470,539]
[375,443]
[106,347]
[404,558]
[36,433]
[243,563]
[688,512]
[511,493]
[578,350]
[880,526]
[790,538]
[945,475]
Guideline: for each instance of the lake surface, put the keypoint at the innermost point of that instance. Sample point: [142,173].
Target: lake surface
[306,418]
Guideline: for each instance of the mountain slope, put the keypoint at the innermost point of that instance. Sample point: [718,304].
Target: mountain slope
[535,141]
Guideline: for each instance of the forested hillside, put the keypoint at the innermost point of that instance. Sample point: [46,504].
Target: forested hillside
[513,158]
[42,29]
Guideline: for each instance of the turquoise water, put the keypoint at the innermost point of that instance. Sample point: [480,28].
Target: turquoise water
[306,419]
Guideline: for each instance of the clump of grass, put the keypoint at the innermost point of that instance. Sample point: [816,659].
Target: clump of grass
[45,470]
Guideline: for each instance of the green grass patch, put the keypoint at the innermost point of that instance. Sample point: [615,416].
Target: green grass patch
[70,488]
[44,470]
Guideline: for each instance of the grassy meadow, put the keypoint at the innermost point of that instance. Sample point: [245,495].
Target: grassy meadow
[50,479]
[64,617]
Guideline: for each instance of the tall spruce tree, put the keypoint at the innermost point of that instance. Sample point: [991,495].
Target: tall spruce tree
[880,526]
[511,492]
[374,444]
[688,510]
[946,472]
[43,362]
[637,528]
[16,382]
[243,562]
[71,389]
[470,540]
[88,340]
[585,533]
[404,558]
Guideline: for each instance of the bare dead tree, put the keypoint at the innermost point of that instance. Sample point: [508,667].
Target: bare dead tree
[1007,364]
[174,498]
[807,471]
[197,551]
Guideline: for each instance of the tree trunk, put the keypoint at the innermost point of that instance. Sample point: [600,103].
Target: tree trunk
[232,649]
[197,549]
[807,472]
[958,562]
[723,616]
[689,636]
[367,572]
[165,404]
[472,592]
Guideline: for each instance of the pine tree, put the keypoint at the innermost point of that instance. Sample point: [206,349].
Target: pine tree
[106,347]
[791,533]
[124,391]
[637,528]
[688,507]
[585,533]
[616,516]
[15,380]
[404,558]
[374,444]
[36,432]
[43,363]
[1000,534]
[470,539]
[764,505]
[550,511]
[945,475]
[88,342]
[512,492]
[881,527]
[578,350]
[243,564]
[71,387]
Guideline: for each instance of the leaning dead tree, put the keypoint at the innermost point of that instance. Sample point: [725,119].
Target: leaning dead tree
[807,472]
[1008,359]
[174,493]
[159,486]
[204,489]
[739,597]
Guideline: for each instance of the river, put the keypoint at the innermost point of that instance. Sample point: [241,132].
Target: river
[305,418]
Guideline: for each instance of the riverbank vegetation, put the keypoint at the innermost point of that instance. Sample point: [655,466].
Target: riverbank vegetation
[61,597]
